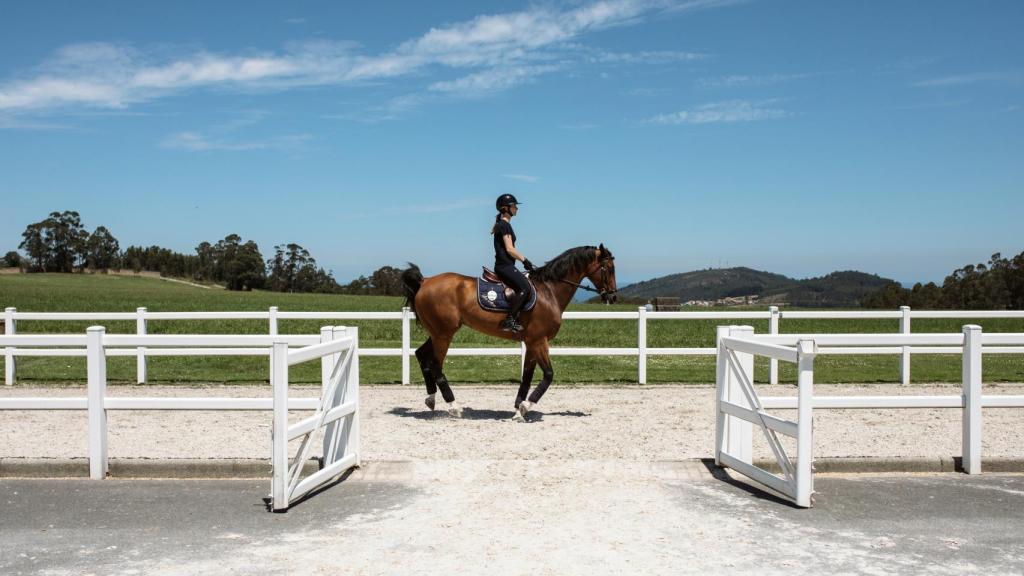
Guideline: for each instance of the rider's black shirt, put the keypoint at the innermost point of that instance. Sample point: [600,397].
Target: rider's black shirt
[501,255]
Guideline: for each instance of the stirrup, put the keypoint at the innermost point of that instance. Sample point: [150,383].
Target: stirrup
[510,324]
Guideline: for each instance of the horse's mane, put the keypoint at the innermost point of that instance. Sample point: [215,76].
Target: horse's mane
[560,266]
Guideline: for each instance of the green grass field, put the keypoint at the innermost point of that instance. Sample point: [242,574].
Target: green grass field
[101,293]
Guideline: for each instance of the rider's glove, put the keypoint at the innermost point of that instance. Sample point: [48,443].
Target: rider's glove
[527,264]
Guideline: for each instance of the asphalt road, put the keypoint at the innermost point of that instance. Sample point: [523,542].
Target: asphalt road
[934,523]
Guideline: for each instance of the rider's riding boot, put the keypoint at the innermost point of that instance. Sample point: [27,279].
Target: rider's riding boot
[511,324]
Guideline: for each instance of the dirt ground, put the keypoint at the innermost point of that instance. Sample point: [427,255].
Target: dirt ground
[587,423]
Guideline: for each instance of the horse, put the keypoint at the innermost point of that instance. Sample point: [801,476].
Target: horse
[447,301]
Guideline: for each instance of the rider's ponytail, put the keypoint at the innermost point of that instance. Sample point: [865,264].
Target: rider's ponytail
[501,211]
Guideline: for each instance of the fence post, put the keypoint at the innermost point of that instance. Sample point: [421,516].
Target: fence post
[721,391]
[279,430]
[905,356]
[641,343]
[805,351]
[972,399]
[405,344]
[329,364]
[352,395]
[741,432]
[773,329]
[140,361]
[273,320]
[9,330]
[96,362]
[732,434]
[326,362]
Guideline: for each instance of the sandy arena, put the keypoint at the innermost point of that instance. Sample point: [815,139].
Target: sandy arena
[632,423]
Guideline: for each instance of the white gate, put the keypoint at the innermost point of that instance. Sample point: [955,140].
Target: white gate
[339,399]
[738,408]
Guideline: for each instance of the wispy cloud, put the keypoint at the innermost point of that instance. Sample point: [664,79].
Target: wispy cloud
[729,111]
[15,123]
[295,21]
[695,5]
[225,137]
[491,80]
[648,91]
[199,142]
[652,57]
[494,52]
[741,80]
[973,78]
[939,104]
[906,65]
[390,109]
[521,177]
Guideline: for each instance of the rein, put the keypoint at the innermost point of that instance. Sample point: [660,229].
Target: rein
[584,286]
[604,280]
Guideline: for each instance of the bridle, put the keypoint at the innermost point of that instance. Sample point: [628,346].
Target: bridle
[604,279]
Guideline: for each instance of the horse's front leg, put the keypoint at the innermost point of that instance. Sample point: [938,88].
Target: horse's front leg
[544,359]
[528,367]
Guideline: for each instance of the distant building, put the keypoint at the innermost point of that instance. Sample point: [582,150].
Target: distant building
[666,303]
[727,301]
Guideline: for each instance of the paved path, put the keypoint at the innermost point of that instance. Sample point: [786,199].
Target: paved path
[516,517]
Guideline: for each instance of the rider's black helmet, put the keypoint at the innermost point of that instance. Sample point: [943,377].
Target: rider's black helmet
[505,200]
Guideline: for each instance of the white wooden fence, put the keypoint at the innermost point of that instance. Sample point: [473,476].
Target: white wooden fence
[642,316]
[739,408]
[336,410]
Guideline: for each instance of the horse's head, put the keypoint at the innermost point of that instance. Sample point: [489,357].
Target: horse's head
[602,275]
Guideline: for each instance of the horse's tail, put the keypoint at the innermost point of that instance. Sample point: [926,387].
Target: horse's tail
[412,279]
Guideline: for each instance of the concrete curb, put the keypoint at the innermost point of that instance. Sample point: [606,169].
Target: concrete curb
[143,468]
[260,468]
[892,464]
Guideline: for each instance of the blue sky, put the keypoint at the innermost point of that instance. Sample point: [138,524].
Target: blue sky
[798,137]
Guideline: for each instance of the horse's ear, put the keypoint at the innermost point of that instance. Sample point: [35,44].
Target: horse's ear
[602,250]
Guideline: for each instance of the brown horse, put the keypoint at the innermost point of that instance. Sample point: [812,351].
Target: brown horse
[446,302]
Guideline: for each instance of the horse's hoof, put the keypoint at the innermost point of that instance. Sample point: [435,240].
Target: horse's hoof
[517,417]
[429,401]
[454,410]
[524,409]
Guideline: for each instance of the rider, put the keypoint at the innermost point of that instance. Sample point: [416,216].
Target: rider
[505,256]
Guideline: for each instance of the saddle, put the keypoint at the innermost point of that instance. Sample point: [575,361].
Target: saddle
[493,295]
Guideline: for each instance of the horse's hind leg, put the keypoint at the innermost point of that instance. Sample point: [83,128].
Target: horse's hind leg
[425,357]
[440,352]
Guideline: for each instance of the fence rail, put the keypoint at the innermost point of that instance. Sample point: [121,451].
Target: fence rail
[58,345]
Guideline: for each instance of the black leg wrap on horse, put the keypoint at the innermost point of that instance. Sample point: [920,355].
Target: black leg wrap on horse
[446,390]
[425,357]
[538,393]
[428,378]
[524,388]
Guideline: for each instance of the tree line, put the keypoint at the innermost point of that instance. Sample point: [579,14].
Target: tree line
[60,243]
[998,285]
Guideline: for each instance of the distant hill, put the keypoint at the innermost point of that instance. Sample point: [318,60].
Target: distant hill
[838,289]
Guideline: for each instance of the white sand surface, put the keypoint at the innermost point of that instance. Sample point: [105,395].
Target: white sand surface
[635,423]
